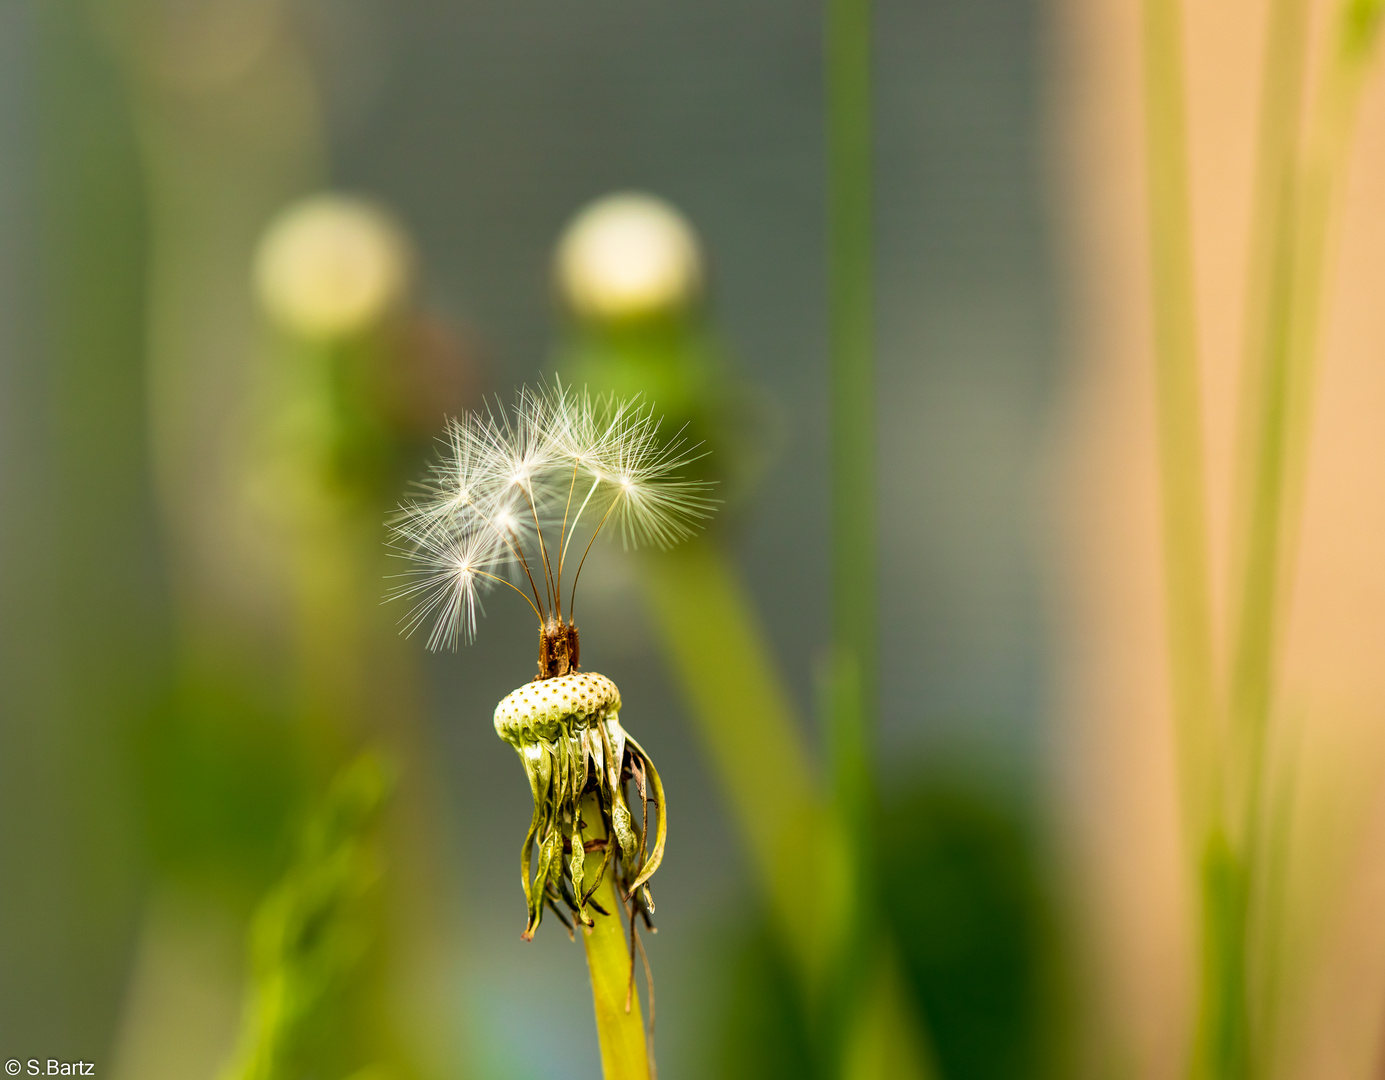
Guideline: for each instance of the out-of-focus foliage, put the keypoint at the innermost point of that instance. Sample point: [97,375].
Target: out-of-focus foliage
[760,1024]
[83,638]
[967,906]
[1360,26]
[964,890]
[311,936]
[221,772]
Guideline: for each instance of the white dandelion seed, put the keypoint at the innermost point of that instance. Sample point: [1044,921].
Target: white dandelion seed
[574,425]
[520,443]
[450,573]
[460,485]
[651,504]
[516,487]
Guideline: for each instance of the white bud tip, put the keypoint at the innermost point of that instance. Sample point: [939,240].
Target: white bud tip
[628,256]
[330,266]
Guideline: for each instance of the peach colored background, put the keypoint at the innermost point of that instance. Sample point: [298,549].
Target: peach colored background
[1114,777]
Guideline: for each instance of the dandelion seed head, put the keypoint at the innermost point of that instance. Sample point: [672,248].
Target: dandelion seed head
[520,494]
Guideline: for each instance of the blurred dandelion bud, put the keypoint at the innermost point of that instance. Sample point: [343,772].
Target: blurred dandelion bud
[628,257]
[331,266]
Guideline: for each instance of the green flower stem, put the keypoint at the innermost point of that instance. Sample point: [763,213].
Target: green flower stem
[852,386]
[854,1027]
[81,617]
[1272,384]
[798,850]
[1298,185]
[1302,186]
[1220,1050]
[1179,420]
[1296,182]
[624,1050]
[718,651]
[1223,1044]
[886,1042]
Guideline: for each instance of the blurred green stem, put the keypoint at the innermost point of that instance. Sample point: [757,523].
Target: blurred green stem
[1221,1030]
[1297,187]
[1225,1043]
[1179,418]
[1296,179]
[82,616]
[1271,382]
[798,849]
[620,1030]
[852,388]
[1222,1049]
[868,1031]
[719,652]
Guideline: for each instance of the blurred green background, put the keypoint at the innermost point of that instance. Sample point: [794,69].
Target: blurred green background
[191,646]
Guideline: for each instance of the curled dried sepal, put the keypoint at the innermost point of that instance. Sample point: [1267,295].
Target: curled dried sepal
[568,735]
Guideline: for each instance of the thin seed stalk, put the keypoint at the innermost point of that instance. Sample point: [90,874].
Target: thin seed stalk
[620,1032]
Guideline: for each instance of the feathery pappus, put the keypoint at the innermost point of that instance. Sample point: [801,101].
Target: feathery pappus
[520,495]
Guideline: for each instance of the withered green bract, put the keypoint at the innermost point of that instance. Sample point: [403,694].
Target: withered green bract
[567,733]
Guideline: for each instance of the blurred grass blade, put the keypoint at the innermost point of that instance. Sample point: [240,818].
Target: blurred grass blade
[1179,416]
